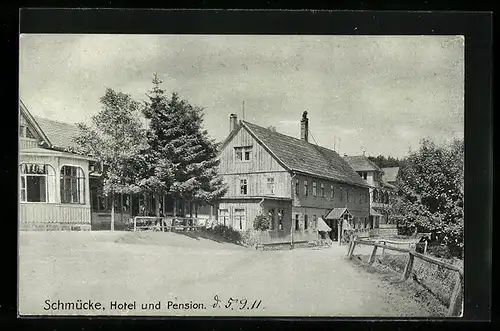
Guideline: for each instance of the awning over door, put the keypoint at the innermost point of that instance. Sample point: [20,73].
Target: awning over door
[322,226]
[336,213]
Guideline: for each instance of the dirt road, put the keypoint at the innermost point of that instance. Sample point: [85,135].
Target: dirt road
[164,267]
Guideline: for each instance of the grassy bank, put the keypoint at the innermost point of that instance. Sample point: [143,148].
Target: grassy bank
[432,284]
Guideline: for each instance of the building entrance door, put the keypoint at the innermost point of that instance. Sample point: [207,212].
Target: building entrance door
[334,234]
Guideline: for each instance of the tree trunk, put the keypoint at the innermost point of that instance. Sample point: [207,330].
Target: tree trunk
[112,211]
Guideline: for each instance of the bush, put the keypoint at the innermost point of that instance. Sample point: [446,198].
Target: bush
[250,238]
[227,233]
[261,223]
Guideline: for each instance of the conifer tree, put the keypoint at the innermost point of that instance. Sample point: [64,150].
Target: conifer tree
[183,157]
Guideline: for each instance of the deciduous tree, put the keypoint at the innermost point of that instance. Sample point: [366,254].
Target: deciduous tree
[431,184]
[115,138]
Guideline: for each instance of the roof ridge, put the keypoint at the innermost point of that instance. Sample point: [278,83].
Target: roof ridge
[329,164]
[282,134]
[56,121]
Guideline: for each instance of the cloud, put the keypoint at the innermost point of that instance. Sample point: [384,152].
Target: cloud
[368,90]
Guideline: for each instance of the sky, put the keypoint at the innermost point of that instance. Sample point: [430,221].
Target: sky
[378,94]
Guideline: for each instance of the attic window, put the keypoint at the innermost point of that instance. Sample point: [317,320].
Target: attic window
[242,154]
[29,134]
[25,132]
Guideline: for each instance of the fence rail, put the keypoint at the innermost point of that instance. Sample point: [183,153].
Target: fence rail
[166,223]
[455,306]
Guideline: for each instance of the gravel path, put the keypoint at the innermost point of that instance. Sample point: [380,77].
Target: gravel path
[163,267]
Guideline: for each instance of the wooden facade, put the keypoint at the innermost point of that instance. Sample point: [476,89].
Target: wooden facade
[260,184]
[46,200]
[261,161]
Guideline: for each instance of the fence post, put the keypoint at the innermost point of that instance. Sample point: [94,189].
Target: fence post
[409,267]
[351,250]
[383,249]
[425,247]
[135,223]
[372,257]
[456,298]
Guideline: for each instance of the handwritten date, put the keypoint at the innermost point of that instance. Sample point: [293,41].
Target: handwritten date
[234,303]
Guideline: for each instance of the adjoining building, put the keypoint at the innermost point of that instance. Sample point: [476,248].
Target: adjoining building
[54,191]
[291,181]
[390,176]
[58,188]
[382,193]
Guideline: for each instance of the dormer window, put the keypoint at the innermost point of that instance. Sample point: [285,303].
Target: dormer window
[363,174]
[243,154]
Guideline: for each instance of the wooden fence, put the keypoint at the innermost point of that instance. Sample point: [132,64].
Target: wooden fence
[455,306]
[166,223]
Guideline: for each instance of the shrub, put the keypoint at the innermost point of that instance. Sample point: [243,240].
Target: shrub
[250,238]
[261,223]
[227,233]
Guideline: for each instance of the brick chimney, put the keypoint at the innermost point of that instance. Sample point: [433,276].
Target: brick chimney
[233,122]
[304,127]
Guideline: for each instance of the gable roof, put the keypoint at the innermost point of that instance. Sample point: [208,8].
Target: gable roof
[60,134]
[390,174]
[33,123]
[298,155]
[362,163]
[53,134]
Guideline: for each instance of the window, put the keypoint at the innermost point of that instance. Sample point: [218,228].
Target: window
[322,190]
[314,222]
[247,155]
[270,185]
[238,153]
[25,132]
[306,190]
[366,197]
[297,184]
[297,223]
[341,194]
[126,203]
[271,219]
[240,218]
[314,189]
[332,192]
[347,195]
[242,153]
[305,222]
[72,185]
[360,197]
[280,219]
[99,203]
[243,187]
[223,216]
[37,182]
